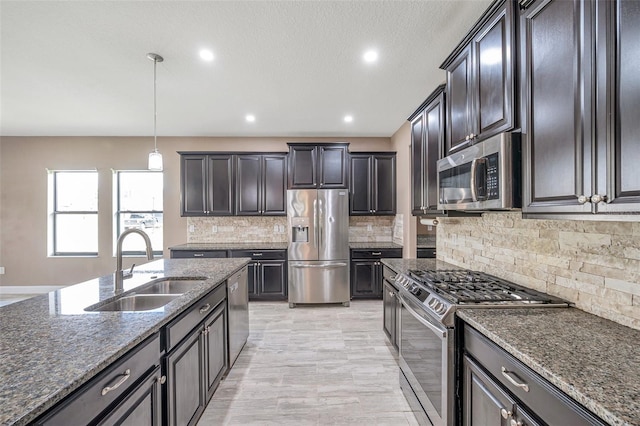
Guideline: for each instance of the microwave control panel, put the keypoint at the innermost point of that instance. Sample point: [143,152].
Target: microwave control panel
[493,183]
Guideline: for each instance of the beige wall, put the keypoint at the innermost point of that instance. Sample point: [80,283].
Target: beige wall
[401,143]
[595,265]
[23,195]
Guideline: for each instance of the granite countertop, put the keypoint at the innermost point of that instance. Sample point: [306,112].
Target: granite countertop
[593,360]
[403,265]
[374,245]
[50,346]
[232,246]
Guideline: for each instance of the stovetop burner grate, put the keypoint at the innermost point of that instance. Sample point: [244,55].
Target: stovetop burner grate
[464,287]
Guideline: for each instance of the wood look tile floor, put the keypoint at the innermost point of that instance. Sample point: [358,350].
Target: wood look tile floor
[312,365]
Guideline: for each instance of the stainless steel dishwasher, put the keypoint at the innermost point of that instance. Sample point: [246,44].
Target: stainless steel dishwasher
[238,308]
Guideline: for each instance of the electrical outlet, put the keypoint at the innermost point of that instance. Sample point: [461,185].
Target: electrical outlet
[369,227]
[275,229]
[192,228]
[281,229]
[214,228]
[1,270]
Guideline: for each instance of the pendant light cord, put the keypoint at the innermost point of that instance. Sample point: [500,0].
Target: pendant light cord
[155,109]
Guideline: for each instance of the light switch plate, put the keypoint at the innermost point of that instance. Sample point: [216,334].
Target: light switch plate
[275,228]
[369,227]
[281,229]
[214,228]
[192,228]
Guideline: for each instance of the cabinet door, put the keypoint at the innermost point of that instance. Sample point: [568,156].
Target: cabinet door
[619,97]
[556,92]
[384,184]
[194,181]
[364,278]
[434,139]
[142,407]
[215,349]
[248,185]
[220,185]
[418,169]
[484,403]
[389,313]
[493,74]
[302,166]
[459,101]
[333,167]
[274,185]
[185,383]
[272,280]
[252,279]
[360,183]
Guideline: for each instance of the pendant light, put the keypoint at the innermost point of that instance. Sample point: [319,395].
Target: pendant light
[155,158]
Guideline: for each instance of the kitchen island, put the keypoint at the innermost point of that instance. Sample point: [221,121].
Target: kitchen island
[50,346]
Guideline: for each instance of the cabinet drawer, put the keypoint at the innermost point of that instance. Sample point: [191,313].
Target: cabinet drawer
[86,404]
[548,402]
[260,254]
[179,328]
[377,253]
[389,276]
[206,254]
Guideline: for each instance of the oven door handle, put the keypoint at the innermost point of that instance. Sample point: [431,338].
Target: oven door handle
[417,316]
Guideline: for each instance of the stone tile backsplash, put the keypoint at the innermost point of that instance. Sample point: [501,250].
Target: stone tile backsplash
[594,264]
[266,229]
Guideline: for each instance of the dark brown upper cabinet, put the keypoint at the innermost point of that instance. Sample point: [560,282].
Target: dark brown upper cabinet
[261,184]
[427,147]
[372,183]
[320,166]
[207,184]
[481,80]
[579,62]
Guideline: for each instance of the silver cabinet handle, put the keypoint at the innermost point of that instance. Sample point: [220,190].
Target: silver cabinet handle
[504,413]
[583,199]
[376,253]
[198,254]
[257,254]
[205,308]
[163,380]
[118,383]
[466,138]
[507,374]
[472,136]
[515,423]
[597,198]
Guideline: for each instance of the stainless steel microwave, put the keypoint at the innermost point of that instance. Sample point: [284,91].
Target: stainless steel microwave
[485,176]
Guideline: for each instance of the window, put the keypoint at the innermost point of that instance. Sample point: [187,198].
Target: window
[73,201]
[138,204]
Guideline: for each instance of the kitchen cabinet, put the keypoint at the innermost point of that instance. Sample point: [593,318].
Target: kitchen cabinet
[127,392]
[498,389]
[391,307]
[580,60]
[372,184]
[321,166]
[197,357]
[207,184]
[204,254]
[481,80]
[261,181]
[427,147]
[267,273]
[366,271]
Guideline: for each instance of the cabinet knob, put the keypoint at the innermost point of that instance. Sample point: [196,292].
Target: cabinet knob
[163,380]
[515,423]
[472,136]
[504,413]
[597,198]
[582,199]
[391,294]
[466,138]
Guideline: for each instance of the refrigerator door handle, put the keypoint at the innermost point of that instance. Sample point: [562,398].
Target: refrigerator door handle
[315,223]
[328,265]
[320,223]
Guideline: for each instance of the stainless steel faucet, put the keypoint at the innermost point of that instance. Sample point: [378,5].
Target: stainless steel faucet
[120,274]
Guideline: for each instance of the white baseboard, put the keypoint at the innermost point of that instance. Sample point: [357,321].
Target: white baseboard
[29,289]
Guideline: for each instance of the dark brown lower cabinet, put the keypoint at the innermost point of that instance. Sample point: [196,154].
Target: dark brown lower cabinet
[194,369]
[500,390]
[390,313]
[366,271]
[267,274]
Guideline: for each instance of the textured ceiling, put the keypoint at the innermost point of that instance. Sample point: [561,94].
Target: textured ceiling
[79,68]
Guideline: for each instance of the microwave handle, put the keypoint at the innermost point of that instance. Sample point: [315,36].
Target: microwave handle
[474,175]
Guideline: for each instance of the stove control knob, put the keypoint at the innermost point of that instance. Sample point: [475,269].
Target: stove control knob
[441,309]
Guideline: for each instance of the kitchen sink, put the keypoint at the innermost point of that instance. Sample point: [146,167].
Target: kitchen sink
[168,286]
[136,302]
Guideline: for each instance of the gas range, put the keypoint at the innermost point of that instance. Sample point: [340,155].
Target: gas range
[440,292]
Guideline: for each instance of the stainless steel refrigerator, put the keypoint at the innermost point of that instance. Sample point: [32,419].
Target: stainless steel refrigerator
[318,221]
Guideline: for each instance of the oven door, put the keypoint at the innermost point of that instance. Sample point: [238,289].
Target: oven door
[426,362]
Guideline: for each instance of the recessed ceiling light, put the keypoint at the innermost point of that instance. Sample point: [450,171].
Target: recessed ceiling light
[206,55]
[348,118]
[370,56]
[250,118]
